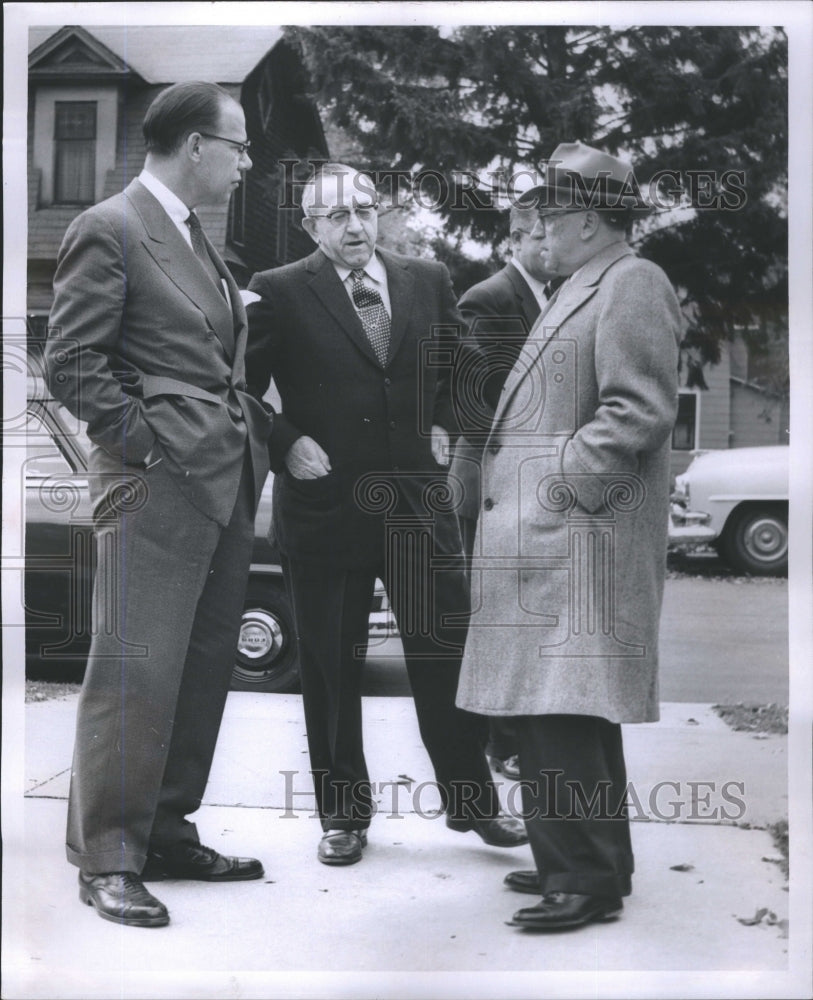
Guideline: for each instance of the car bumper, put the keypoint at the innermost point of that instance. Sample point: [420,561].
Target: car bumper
[688,529]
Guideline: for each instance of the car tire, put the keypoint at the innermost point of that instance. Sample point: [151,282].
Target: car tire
[756,539]
[267,658]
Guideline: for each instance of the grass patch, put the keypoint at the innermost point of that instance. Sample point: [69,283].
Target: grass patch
[36,690]
[754,718]
[779,832]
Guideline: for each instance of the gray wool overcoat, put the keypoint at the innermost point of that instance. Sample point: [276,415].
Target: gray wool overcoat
[570,555]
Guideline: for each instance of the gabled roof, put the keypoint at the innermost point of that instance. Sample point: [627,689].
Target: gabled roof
[162,53]
[72,53]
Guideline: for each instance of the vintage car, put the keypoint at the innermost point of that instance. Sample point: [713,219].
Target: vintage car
[60,564]
[737,502]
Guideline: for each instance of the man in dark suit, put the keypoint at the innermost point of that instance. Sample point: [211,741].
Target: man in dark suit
[359,343]
[147,345]
[498,313]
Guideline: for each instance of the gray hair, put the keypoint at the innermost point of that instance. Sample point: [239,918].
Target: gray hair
[312,191]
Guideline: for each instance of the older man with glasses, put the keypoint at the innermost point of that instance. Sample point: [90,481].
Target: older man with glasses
[359,342]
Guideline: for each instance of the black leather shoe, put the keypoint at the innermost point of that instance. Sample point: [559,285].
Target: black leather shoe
[341,847]
[560,911]
[121,897]
[527,881]
[203,864]
[501,831]
[509,766]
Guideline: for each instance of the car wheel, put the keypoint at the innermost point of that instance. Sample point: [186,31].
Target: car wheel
[267,658]
[756,540]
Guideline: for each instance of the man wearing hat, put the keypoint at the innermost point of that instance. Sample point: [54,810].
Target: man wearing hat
[569,558]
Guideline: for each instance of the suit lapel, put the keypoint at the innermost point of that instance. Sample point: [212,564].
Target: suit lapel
[523,294]
[401,288]
[178,262]
[326,285]
[571,296]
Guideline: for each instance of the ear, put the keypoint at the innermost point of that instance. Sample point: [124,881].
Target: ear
[309,225]
[591,224]
[192,146]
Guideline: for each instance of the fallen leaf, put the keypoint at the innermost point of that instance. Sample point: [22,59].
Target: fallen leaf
[757,917]
[692,722]
[685,867]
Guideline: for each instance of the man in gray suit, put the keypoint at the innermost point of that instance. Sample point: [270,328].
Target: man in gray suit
[498,313]
[147,346]
[570,555]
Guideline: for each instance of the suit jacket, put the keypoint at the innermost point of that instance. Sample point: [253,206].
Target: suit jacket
[373,421]
[570,553]
[145,348]
[498,314]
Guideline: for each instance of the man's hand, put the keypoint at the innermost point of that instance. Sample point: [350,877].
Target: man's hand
[440,445]
[306,460]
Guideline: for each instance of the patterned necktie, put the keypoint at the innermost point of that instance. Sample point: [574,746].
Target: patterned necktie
[373,315]
[199,246]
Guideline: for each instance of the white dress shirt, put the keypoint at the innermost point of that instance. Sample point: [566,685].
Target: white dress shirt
[375,276]
[170,202]
[536,286]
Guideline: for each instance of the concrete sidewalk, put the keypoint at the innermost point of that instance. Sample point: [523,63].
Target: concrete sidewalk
[424,913]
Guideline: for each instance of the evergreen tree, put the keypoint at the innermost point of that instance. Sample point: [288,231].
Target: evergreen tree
[701,101]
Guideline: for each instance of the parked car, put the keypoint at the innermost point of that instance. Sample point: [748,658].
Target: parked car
[736,501]
[60,564]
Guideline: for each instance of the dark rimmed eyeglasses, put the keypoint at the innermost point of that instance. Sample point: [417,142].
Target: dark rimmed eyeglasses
[340,217]
[241,147]
[542,214]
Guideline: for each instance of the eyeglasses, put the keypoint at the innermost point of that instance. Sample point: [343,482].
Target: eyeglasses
[242,147]
[543,215]
[340,217]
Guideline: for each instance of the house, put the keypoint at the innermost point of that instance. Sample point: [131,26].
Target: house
[89,89]
[737,409]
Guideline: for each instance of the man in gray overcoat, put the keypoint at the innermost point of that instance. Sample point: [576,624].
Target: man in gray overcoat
[569,559]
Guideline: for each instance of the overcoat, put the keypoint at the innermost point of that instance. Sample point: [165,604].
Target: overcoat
[570,554]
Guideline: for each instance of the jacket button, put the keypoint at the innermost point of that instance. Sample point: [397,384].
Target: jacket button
[392,425]
[488,503]
[387,381]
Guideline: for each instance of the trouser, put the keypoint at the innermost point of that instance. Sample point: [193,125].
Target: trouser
[566,763]
[332,607]
[168,598]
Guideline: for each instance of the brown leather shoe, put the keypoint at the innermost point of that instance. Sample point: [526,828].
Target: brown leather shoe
[341,847]
[202,864]
[501,831]
[524,881]
[122,898]
[560,911]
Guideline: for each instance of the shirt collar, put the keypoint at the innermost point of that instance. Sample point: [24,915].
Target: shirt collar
[536,286]
[374,268]
[170,202]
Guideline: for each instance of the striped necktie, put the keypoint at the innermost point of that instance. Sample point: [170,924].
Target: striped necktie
[199,246]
